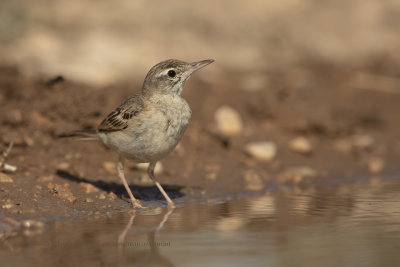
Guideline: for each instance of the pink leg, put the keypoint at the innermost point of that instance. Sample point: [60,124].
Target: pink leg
[150,171]
[120,168]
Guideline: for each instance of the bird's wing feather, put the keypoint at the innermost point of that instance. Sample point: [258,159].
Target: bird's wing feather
[118,119]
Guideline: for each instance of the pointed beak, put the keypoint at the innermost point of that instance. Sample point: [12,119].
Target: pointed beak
[196,66]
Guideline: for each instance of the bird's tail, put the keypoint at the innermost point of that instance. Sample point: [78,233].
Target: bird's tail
[80,135]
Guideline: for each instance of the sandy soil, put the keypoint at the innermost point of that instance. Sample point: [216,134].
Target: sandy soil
[350,118]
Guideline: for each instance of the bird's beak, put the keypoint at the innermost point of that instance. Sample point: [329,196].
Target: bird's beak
[196,66]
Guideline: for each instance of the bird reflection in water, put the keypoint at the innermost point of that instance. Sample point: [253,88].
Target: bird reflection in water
[152,257]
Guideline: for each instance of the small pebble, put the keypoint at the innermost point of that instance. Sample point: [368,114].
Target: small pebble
[89,200]
[228,121]
[375,165]
[62,191]
[51,187]
[264,151]
[110,167]
[71,199]
[253,181]
[144,180]
[297,174]
[32,227]
[23,142]
[157,169]
[212,171]
[301,145]
[32,224]
[29,141]
[211,176]
[7,206]
[63,166]
[112,196]
[102,196]
[89,188]
[342,145]
[4,178]
[363,141]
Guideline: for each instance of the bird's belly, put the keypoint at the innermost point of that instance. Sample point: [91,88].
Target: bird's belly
[149,140]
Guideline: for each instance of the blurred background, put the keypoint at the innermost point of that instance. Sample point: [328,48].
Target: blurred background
[299,90]
[299,110]
[103,42]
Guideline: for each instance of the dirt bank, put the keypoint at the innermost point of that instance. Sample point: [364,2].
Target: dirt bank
[323,122]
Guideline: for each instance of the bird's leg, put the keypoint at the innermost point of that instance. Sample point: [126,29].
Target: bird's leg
[120,168]
[150,171]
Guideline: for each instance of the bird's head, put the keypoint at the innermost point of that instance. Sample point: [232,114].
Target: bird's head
[169,76]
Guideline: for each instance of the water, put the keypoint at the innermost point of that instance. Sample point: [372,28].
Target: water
[339,225]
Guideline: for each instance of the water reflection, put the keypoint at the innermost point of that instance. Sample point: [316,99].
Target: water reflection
[343,224]
[143,258]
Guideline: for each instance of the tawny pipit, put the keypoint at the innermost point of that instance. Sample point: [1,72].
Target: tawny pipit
[147,126]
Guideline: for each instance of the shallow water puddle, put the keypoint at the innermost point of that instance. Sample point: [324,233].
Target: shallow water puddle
[353,224]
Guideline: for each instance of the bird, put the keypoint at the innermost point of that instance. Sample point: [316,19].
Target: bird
[148,125]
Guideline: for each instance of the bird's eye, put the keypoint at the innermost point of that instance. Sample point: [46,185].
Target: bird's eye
[171,73]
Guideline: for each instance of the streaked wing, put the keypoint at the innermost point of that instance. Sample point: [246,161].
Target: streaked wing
[118,119]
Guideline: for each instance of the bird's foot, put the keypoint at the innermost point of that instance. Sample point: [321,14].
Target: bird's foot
[137,205]
[171,205]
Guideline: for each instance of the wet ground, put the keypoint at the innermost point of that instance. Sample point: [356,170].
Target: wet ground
[291,154]
[353,224]
[329,201]
[346,129]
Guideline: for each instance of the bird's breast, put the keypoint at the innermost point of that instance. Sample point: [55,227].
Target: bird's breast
[177,116]
[170,117]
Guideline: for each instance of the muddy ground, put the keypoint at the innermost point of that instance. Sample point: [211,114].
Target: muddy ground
[349,116]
